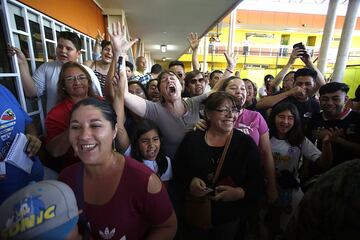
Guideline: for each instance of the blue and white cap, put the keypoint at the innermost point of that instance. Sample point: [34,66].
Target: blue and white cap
[42,210]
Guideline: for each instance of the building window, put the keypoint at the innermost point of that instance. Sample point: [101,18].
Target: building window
[36,35]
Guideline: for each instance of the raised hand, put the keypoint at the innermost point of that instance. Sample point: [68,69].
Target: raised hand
[11,51]
[99,37]
[118,39]
[193,41]
[296,53]
[306,58]
[231,60]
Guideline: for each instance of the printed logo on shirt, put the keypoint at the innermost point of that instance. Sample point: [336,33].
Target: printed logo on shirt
[245,129]
[106,234]
[7,122]
[279,158]
[7,115]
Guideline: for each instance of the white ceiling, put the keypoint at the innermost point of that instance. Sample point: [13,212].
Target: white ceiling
[168,22]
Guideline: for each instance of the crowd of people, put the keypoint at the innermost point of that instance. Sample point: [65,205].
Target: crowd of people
[135,151]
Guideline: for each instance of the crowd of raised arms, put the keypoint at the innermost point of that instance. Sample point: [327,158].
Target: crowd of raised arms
[169,154]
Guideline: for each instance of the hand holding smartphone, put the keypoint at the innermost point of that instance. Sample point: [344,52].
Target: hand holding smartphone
[209,190]
[301,46]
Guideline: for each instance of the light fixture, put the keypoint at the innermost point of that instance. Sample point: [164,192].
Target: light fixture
[163,59]
[163,48]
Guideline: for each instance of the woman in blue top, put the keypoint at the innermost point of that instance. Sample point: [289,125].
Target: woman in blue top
[13,120]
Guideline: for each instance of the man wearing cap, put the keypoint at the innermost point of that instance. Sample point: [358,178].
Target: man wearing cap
[42,210]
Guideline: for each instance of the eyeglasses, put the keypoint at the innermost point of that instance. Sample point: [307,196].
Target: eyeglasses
[194,80]
[81,78]
[227,111]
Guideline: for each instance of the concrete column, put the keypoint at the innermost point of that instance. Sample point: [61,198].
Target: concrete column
[231,37]
[345,41]
[327,35]
[205,54]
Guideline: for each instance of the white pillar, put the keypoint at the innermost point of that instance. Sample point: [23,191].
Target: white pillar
[327,35]
[345,41]
[231,37]
[206,50]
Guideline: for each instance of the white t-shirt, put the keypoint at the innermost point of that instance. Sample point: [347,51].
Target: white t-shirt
[286,157]
[47,76]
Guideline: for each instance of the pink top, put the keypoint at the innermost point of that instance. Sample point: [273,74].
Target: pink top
[251,123]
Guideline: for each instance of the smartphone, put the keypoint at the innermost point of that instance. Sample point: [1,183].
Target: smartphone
[208,190]
[299,45]
[119,63]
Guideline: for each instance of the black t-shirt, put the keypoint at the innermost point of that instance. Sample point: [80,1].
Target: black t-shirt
[350,123]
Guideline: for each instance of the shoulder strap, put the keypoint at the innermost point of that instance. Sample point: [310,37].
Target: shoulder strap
[221,161]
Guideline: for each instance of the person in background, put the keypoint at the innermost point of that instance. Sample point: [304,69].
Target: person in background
[112,187]
[251,92]
[140,63]
[97,47]
[101,66]
[74,85]
[156,69]
[285,76]
[178,68]
[146,148]
[129,71]
[137,89]
[337,121]
[44,80]
[195,83]
[266,89]
[152,90]
[215,76]
[51,203]
[288,81]
[15,120]
[354,103]
[288,145]
[301,95]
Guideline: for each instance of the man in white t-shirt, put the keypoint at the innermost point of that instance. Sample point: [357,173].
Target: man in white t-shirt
[44,81]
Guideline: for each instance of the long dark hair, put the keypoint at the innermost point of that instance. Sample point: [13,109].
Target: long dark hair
[295,136]
[140,129]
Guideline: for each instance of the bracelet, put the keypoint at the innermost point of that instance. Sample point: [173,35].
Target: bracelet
[229,71]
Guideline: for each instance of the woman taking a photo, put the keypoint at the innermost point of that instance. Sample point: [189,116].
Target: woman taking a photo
[239,182]
[120,197]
